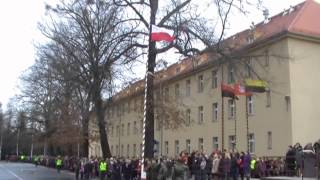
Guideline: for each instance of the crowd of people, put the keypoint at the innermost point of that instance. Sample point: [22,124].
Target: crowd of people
[195,166]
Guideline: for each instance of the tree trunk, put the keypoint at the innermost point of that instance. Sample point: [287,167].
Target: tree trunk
[149,128]
[85,136]
[102,129]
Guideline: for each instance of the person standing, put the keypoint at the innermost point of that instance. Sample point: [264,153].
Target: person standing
[103,169]
[58,163]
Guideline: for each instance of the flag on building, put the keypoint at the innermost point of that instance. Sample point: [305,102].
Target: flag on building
[228,91]
[161,34]
[253,85]
[241,90]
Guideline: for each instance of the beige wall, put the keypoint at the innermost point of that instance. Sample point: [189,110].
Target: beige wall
[305,88]
[275,118]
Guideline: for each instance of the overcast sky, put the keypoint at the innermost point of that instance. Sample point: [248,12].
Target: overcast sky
[18,33]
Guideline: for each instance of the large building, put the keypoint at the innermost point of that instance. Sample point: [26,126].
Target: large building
[284,50]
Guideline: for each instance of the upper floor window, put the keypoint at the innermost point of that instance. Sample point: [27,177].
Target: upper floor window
[268,96]
[135,129]
[188,117]
[215,112]
[231,109]
[129,106]
[177,90]
[250,105]
[266,58]
[188,87]
[128,129]
[166,93]
[200,114]
[248,68]
[214,79]
[200,83]
[231,74]
[177,148]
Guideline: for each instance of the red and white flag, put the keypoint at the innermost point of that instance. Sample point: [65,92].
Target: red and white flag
[161,34]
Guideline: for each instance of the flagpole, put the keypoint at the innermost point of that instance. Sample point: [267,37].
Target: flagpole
[235,123]
[222,114]
[247,123]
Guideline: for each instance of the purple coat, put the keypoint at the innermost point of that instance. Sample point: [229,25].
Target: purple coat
[246,163]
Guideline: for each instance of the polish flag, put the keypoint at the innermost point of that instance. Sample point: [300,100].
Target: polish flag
[161,34]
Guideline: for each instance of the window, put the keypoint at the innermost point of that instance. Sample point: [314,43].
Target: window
[200,144]
[128,129]
[188,146]
[269,140]
[188,117]
[141,126]
[178,69]
[200,83]
[188,87]
[251,143]
[128,150]
[134,152]
[135,106]
[215,143]
[215,112]
[177,90]
[117,150]
[141,104]
[118,131]
[122,109]
[266,58]
[268,96]
[200,114]
[140,150]
[166,94]
[231,74]
[248,70]
[166,148]
[214,79]
[129,106]
[176,147]
[111,130]
[250,105]
[231,109]
[122,149]
[232,142]
[122,130]
[135,129]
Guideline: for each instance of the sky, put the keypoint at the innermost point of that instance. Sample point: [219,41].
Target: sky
[19,33]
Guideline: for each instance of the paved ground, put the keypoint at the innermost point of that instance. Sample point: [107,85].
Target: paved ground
[24,171]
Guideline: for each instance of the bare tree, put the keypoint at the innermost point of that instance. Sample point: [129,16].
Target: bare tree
[94,40]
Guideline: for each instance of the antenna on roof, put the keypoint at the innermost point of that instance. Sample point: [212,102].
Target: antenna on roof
[285,12]
[291,9]
[266,15]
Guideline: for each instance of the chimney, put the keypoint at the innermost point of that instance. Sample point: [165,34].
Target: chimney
[266,16]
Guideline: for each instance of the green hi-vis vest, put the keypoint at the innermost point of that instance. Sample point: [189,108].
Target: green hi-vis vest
[252,164]
[36,158]
[103,166]
[58,162]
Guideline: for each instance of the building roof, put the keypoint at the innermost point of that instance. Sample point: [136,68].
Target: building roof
[300,19]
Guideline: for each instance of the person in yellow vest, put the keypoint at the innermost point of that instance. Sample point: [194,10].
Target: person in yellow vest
[103,168]
[22,157]
[253,167]
[58,164]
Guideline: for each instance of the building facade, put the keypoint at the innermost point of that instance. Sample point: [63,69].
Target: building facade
[190,113]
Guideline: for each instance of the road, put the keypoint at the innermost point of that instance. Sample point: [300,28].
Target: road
[24,171]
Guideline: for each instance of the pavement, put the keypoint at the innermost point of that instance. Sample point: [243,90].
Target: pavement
[25,171]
